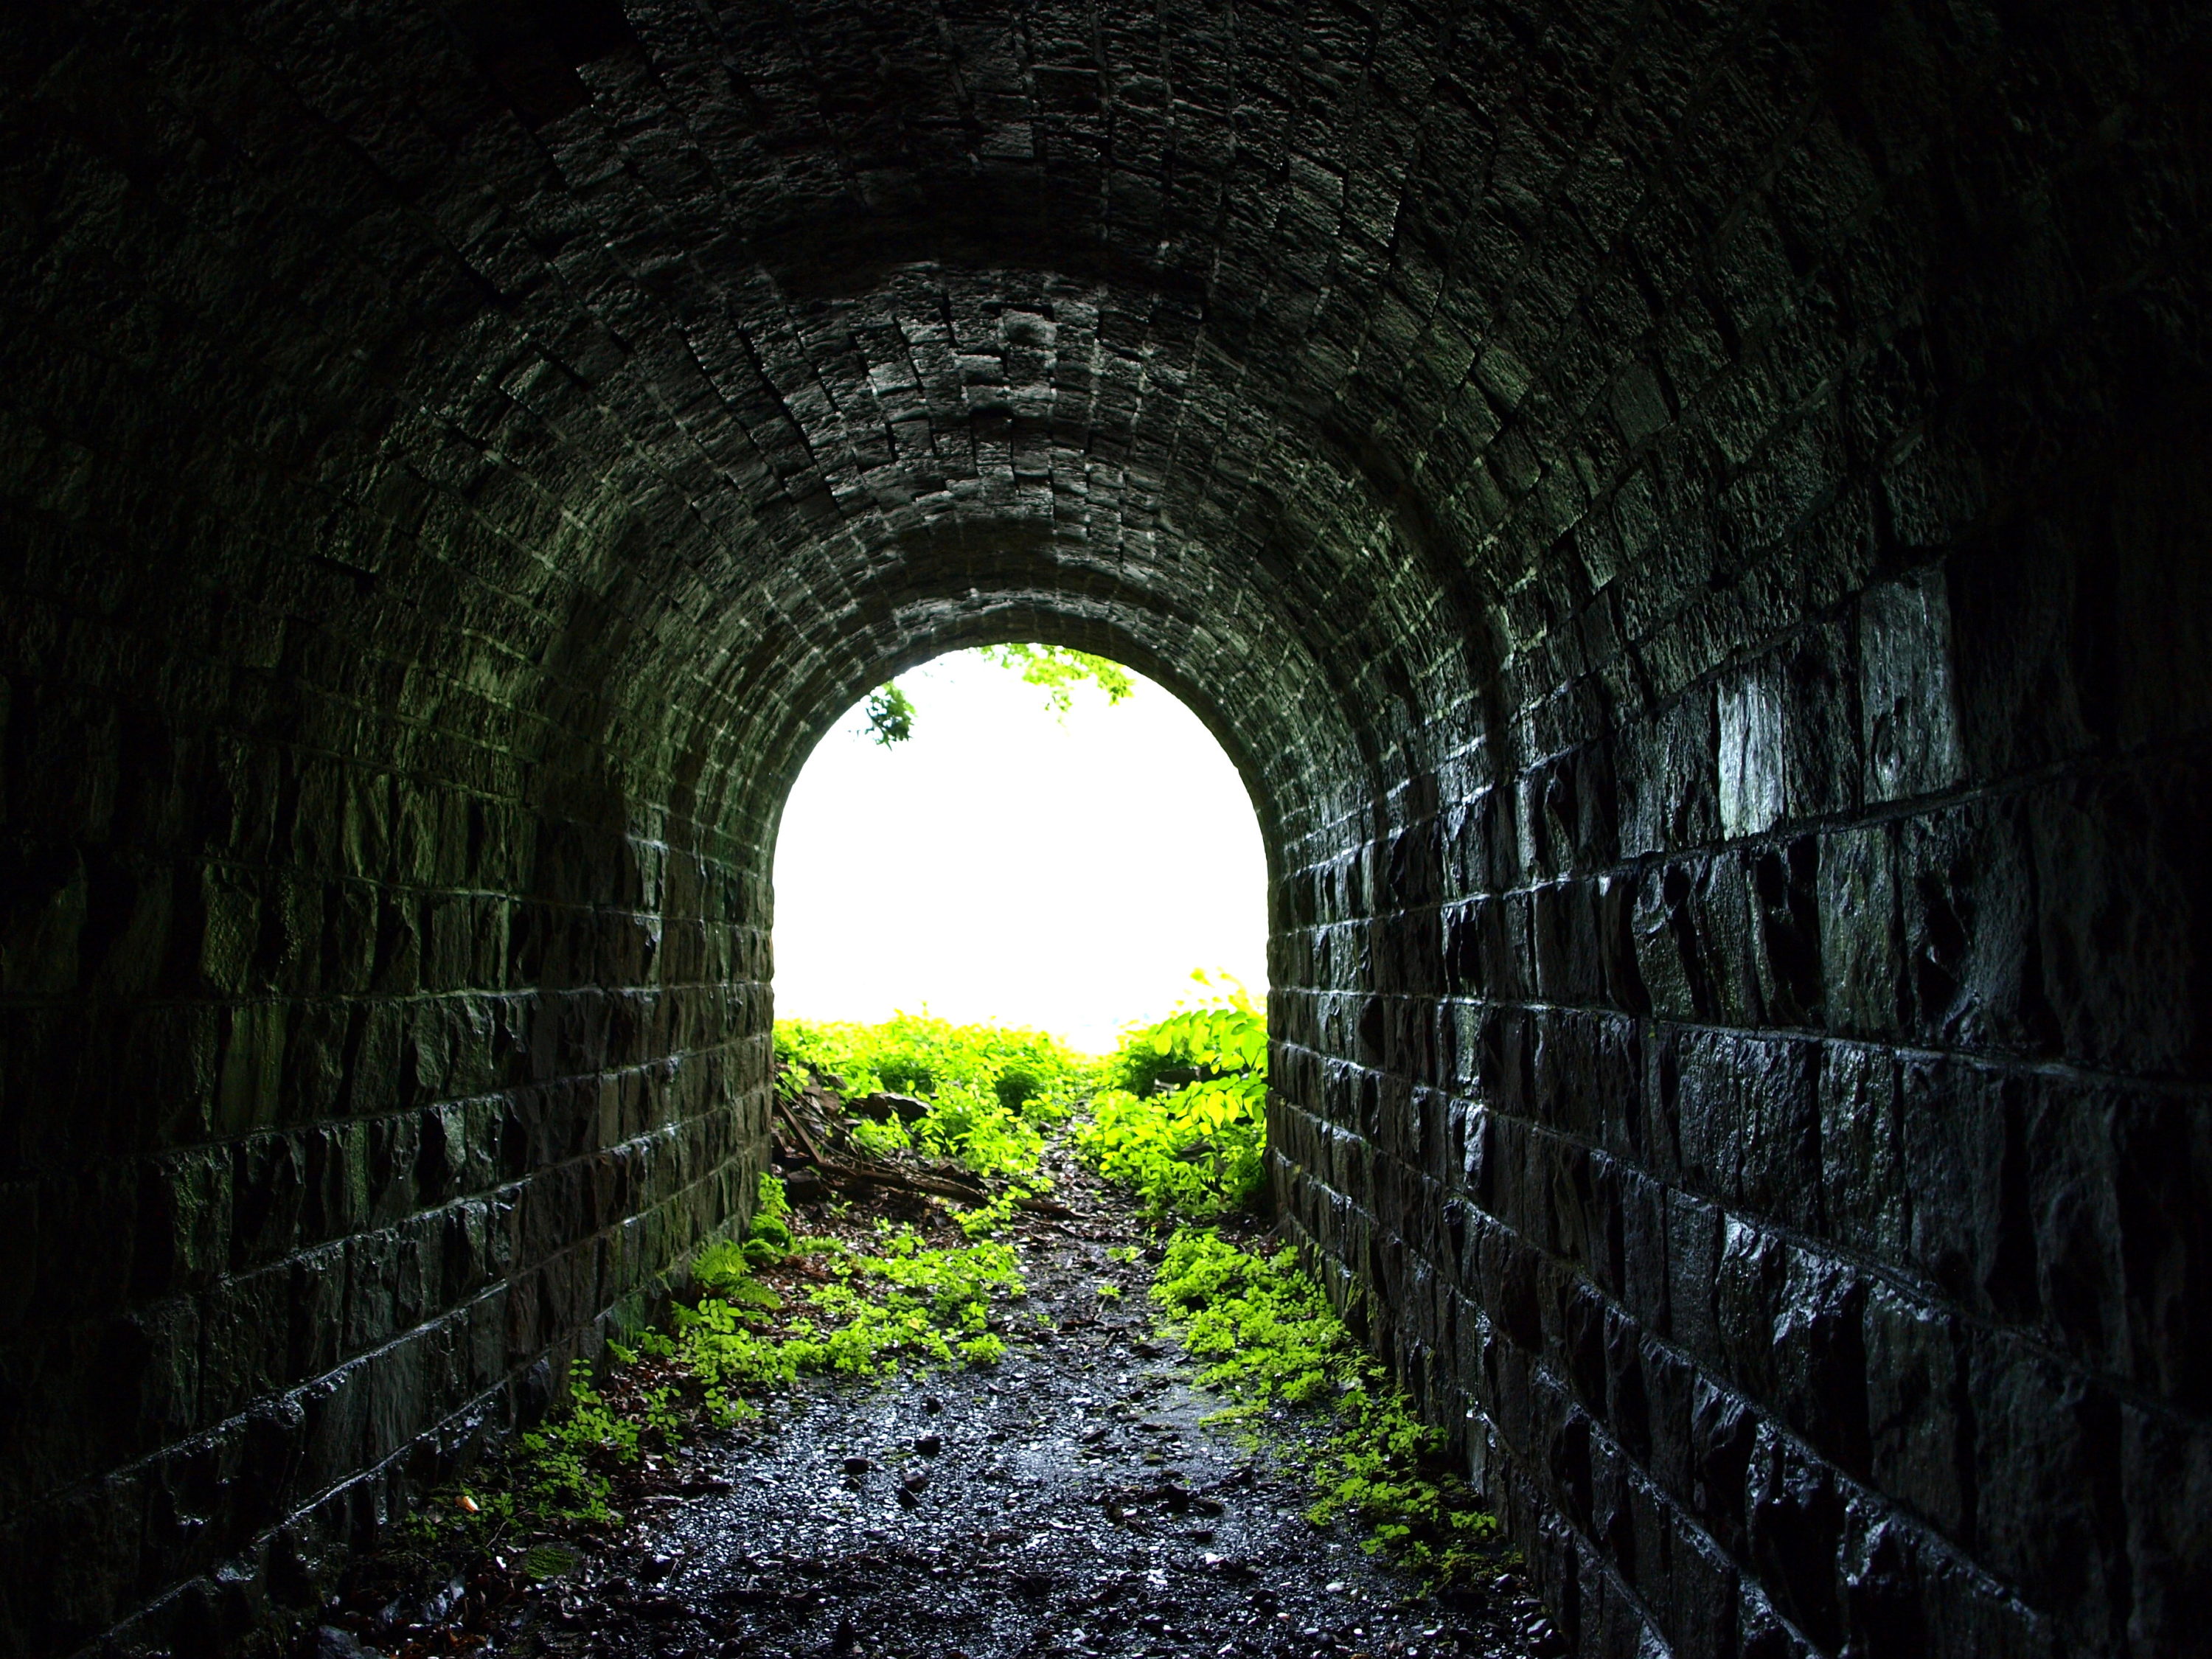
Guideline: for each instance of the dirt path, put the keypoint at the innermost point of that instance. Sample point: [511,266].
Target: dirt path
[1068,1501]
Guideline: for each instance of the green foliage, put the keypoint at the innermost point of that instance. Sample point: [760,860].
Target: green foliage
[1058,670]
[1275,1342]
[1185,1119]
[992,1091]
[564,1462]
[890,715]
[1220,1036]
[903,1298]
[726,1267]
[986,1218]
[898,1299]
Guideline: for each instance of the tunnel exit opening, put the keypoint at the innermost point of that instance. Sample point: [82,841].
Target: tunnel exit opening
[1022,908]
[1034,855]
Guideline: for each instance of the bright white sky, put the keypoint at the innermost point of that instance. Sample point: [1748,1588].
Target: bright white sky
[1004,864]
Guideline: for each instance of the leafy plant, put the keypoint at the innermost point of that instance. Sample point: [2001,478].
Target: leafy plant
[991,1090]
[890,715]
[889,712]
[1275,1342]
[904,1298]
[725,1267]
[1185,1122]
[986,1218]
[1058,670]
[563,1478]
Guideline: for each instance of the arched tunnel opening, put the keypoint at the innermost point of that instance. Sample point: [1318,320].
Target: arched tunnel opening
[1021,836]
[1691,521]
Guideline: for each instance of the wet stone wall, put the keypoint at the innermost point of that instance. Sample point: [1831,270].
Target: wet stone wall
[1691,519]
[1771,1133]
[348,1095]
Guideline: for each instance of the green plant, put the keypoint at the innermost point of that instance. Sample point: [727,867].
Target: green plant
[562,1476]
[986,1218]
[889,712]
[873,1307]
[901,1299]
[1185,1119]
[890,715]
[1275,1342]
[1058,670]
[991,1090]
[726,1265]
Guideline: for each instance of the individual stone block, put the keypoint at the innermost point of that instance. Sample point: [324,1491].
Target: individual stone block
[1860,948]
[1667,1384]
[2161,1202]
[1819,1369]
[1908,719]
[2074,1209]
[1669,797]
[1667,958]
[2166,1494]
[2120,903]
[1722,1432]
[1692,1587]
[183,1232]
[1863,1201]
[1724,972]
[1786,922]
[1916,1401]
[248,1088]
[1964,1145]
[2047,1470]
[1743,1116]
[1796,1519]
[1753,795]
[1749,1294]
[1967,909]
[1693,1234]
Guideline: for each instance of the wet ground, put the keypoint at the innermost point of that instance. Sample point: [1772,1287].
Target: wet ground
[1070,1500]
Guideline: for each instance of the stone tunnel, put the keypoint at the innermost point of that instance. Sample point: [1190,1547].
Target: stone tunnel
[1691,517]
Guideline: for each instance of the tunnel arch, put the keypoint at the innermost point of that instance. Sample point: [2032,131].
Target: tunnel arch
[1029,617]
[1693,515]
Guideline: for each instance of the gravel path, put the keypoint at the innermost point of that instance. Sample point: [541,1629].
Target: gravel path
[1071,1500]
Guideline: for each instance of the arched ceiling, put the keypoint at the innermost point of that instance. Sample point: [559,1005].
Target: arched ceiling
[681,356]
[641,374]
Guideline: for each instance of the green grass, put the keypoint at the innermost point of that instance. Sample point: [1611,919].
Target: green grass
[1275,1343]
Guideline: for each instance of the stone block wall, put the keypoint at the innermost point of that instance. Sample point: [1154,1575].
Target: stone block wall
[1757,1085]
[1807,1250]
[350,1092]
[1690,519]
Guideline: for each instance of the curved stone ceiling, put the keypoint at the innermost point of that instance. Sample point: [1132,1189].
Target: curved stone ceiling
[1688,518]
